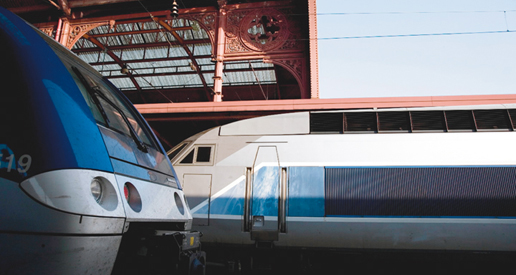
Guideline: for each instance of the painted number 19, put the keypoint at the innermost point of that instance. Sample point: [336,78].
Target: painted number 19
[24,163]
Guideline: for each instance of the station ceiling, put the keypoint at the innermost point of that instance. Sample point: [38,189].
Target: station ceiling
[153,57]
[166,60]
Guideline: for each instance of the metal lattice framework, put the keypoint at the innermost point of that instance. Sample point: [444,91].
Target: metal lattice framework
[255,51]
[214,51]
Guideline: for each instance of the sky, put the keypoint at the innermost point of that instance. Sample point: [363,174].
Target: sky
[430,65]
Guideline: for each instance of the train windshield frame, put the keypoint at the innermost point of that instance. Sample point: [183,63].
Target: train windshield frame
[108,107]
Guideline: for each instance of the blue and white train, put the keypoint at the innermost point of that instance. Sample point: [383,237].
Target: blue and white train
[85,186]
[425,179]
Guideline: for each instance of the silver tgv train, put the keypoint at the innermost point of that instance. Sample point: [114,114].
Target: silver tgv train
[427,179]
[85,186]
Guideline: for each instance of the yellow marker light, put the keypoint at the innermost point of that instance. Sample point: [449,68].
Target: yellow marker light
[191,241]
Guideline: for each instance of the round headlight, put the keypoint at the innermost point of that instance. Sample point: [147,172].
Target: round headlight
[96,189]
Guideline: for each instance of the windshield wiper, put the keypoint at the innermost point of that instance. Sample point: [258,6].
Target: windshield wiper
[94,92]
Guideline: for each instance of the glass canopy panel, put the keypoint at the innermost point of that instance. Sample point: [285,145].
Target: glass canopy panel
[122,83]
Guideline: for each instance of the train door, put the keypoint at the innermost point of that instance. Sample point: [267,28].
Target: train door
[197,188]
[263,195]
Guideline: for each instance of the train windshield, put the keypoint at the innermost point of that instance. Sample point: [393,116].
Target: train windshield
[108,107]
[127,136]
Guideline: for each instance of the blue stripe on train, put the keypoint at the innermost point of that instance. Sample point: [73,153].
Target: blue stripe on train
[430,192]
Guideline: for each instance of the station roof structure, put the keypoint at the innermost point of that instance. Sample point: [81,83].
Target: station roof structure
[216,62]
[154,56]
[212,51]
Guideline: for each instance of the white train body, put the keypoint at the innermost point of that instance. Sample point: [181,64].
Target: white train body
[297,181]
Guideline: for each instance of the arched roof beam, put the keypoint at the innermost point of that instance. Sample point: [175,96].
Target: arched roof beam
[116,59]
[137,32]
[146,60]
[139,46]
[65,7]
[188,52]
[187,73]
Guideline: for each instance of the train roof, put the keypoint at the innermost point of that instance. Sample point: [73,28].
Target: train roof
[477,118]
[442,119]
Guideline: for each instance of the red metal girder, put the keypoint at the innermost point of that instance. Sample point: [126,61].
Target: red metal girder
[136,32]
[323,104]
[144,16]
[142,46]
[116,58]
[88,3]
[192,72]
[148,60]
[65,7]
[190,54]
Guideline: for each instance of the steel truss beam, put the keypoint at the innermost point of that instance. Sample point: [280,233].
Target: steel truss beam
[116,59]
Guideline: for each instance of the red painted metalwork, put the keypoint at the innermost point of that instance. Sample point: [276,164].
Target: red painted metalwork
[219,51]
[191,72]
[117,60]
[314,65]
[193,61]
[146,60]
[268,31]
[65,7]
[323,104]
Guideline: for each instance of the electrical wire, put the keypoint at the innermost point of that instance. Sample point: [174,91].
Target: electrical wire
[505,16]
[258,80]
[412,35]
[407,12]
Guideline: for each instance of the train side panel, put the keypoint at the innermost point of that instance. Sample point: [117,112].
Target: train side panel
[461,197]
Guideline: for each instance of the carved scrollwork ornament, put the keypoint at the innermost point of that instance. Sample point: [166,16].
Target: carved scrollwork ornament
[48,31]
[77,31]
[264,30]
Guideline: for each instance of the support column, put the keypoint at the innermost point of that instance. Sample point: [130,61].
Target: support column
[219,66]
[314,65]
[64,31]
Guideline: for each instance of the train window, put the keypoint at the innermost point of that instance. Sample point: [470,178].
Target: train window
[393,121]
[428,121]
[460,120]
[173,153]
[203,154]
[199,155]
[360,122]
[189,158]
[326,122]
[116,119]
[103,98]
[110,106]
[492,119]
[89,100]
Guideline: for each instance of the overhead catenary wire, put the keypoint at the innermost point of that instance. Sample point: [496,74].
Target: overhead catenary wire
[258,80]
[407,12]
[413,35]
[367,36]
[170,47]
[507,30]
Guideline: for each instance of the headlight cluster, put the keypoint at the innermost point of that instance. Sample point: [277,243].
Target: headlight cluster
[104,193]
[132,197]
